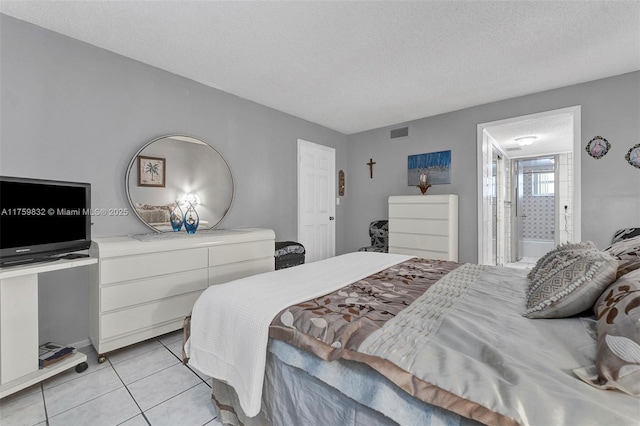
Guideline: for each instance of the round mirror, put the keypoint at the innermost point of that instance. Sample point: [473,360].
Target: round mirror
[175,181]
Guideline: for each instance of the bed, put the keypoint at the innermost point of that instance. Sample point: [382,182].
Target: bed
[378,338]
[156,215]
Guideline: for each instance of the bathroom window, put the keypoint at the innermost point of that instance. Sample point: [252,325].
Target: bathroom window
[542,184]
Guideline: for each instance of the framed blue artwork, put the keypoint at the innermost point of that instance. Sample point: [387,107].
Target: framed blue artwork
[436,165]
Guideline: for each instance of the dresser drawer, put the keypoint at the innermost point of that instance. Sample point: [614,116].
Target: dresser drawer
[435,243]
[149,265]
[419,211]
[420,226]
[144,316]
[231,253]
[222,274]
[131,293]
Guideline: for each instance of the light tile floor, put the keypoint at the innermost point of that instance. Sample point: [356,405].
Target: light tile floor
[140,385]
[524,263]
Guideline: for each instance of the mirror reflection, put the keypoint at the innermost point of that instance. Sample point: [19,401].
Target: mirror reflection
[180,178]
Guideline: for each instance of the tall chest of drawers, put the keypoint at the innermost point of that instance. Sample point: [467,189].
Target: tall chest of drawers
[144,286]
[424,226]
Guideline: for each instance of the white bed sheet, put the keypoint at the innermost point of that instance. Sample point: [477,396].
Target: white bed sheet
[230,322]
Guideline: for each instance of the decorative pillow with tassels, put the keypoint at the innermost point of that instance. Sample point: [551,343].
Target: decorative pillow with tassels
[618,355]
[554,256]
[569,282]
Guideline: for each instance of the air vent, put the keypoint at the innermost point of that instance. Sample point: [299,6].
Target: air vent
[402,132]
[515,148]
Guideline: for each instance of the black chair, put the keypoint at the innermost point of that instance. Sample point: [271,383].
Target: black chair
[379,233]
[288,254]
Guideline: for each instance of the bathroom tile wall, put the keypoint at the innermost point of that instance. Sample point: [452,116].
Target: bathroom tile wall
[564,165]
[539,223]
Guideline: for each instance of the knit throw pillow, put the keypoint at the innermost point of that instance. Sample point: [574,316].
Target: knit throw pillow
[568,282]
[553,256]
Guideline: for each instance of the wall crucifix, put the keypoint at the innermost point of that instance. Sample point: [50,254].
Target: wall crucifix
[370,164]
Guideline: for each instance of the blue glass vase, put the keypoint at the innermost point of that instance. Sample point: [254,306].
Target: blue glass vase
[175,217]
[191,220]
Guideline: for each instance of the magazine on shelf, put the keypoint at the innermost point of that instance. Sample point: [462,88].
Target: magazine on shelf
[50,353]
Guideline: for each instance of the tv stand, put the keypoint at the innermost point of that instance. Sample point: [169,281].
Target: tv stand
[18,262]
[19,344]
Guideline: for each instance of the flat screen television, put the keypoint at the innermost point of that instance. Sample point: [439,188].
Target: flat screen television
[42,219]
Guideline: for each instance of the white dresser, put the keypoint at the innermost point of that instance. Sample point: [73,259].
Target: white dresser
[144,286]
[424,226]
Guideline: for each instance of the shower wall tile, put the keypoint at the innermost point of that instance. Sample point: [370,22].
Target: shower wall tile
[539,223]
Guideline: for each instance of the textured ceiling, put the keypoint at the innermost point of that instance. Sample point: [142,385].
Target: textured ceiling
[354,66]
[554,135]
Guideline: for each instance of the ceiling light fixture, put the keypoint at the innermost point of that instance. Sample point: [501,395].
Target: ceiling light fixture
[525,140]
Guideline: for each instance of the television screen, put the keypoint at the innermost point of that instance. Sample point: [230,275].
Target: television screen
[43,217]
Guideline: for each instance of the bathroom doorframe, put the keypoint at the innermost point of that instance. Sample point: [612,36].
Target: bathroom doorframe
[501,189]
[484,159]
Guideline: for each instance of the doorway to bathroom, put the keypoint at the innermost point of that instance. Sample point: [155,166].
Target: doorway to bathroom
[528,186]
[535,208]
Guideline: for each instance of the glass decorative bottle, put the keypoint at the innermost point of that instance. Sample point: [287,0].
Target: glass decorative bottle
[191,219]
[175,217]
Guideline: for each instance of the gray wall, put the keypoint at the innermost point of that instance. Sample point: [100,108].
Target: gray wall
[610,186]
[71,111]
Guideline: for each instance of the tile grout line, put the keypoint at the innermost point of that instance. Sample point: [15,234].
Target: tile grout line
[190,369]
[44,403]
[187,365]
[90,400]
[44,398]
[162,402]
[81,404]
[130,394]
[112,366]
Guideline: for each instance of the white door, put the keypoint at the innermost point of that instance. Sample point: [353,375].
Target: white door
[316,195]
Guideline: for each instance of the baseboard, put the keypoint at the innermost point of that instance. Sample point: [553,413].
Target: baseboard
[81,344]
